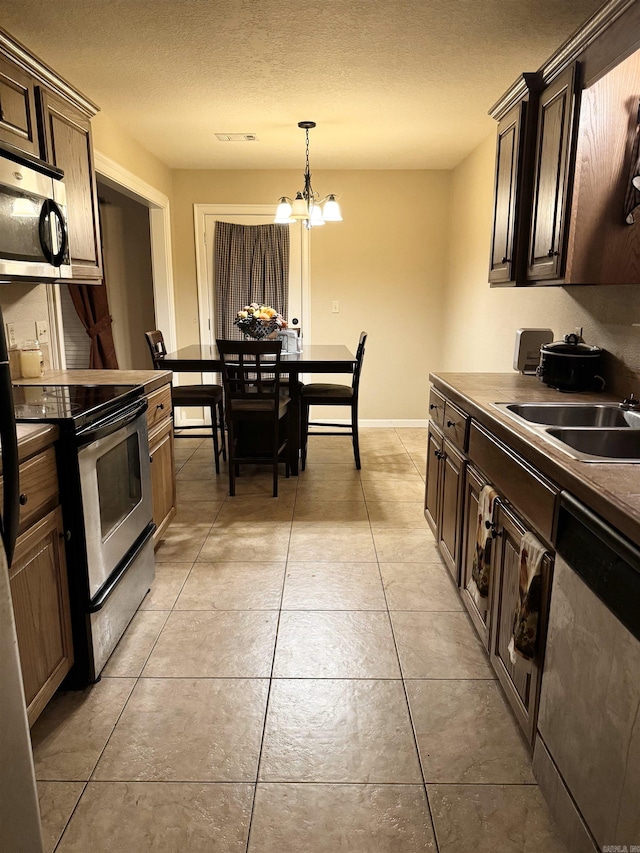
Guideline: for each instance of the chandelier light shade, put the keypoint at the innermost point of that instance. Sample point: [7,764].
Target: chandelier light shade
[308,207]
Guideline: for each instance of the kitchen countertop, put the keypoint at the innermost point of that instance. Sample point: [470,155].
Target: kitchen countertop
[149,379]
[610,489]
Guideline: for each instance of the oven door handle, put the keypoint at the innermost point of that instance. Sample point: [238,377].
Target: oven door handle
[112,423]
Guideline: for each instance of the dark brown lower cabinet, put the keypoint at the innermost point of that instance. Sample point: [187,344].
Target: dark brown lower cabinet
[521,686]
[479,616]
[443,496]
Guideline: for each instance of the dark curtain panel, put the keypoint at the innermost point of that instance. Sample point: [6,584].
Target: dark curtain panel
[251,264]
[91,303]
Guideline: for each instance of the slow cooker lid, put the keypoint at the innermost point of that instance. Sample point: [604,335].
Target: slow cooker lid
[571,346]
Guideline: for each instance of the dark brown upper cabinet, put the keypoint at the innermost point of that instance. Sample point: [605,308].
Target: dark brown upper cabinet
[501,267]
[512,188]
[66,142]
[555,142]
[18,124]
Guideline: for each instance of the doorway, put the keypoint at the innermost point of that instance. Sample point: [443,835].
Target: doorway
[150,278]
[206,216]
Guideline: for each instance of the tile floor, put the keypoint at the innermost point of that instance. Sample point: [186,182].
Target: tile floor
[302,678]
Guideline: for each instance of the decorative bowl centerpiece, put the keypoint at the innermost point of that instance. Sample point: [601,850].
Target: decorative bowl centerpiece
[259,321]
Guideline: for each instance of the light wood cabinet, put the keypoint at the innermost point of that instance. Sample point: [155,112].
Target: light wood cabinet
[40,594]
[44,117]
[163,478]
[18,125]
[66,143]
[38,580]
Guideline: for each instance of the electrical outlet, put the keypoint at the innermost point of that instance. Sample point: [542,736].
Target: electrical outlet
[42,331]
[12,343]
[335,307]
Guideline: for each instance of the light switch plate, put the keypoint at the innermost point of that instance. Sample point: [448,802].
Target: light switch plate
[42,331]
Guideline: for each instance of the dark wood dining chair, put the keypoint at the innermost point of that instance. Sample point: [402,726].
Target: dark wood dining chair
[256,411]
[203,396]
[320,394]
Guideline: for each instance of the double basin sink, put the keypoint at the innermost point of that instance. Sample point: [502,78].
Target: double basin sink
[590,432]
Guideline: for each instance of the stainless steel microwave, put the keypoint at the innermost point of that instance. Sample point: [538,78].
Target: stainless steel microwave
[34,241]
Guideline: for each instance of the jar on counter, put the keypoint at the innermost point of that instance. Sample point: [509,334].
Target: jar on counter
[31,360]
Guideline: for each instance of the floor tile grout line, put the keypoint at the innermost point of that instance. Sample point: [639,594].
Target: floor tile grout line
[406,699]
[266,707]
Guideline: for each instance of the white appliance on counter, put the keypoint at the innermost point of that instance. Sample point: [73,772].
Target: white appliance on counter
[587,753]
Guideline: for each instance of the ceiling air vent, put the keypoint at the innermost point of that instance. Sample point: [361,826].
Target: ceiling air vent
[237,137]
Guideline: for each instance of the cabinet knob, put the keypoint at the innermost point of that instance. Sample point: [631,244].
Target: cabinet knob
[432,406]
[160,406]
[451,424]
[66,535]
[505,260]
[23,499]
[439,454]
[552,254]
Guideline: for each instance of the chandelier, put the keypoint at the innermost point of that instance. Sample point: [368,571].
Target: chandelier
[306,206]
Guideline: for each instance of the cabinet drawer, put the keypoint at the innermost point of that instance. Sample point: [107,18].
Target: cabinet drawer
[38,487]
[456,425]
[436,407]
[159,406]
[521,485]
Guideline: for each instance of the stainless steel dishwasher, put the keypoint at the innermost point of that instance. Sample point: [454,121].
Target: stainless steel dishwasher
[587,754]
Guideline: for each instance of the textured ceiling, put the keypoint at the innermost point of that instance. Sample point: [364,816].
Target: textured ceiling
[400,84]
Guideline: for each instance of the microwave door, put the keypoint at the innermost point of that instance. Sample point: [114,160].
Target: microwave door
[33,235]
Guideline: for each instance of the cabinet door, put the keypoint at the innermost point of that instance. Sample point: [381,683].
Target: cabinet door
[163,481]
[501,265]
[474,484]
[521,687]
[17,108]
[554,145]
[432,488]
[40,594]
[66,139]
[453,464]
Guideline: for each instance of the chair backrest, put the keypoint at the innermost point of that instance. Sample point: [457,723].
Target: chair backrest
[157,348]
[250,370]
[359,360]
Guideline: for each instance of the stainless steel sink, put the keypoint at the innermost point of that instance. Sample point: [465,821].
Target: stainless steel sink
[590,432]
[619,444]
[575,414]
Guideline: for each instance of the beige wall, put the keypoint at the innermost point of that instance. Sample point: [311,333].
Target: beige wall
[113,141]
[480,323]
[385,264]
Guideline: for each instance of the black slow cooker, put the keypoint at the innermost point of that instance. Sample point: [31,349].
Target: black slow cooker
[571,365]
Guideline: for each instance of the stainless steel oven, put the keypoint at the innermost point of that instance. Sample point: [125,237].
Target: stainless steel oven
[107,504]
[115,480]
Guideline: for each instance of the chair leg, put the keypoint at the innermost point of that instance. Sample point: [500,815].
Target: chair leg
[233,468]
[214,435]
[221,426]
[304,433]
[354,431]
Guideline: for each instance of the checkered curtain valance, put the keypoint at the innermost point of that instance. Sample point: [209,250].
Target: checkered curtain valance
[251,264]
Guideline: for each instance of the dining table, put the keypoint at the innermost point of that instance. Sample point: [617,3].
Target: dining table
[314,358]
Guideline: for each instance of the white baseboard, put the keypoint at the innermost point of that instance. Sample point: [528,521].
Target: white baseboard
[381,423]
